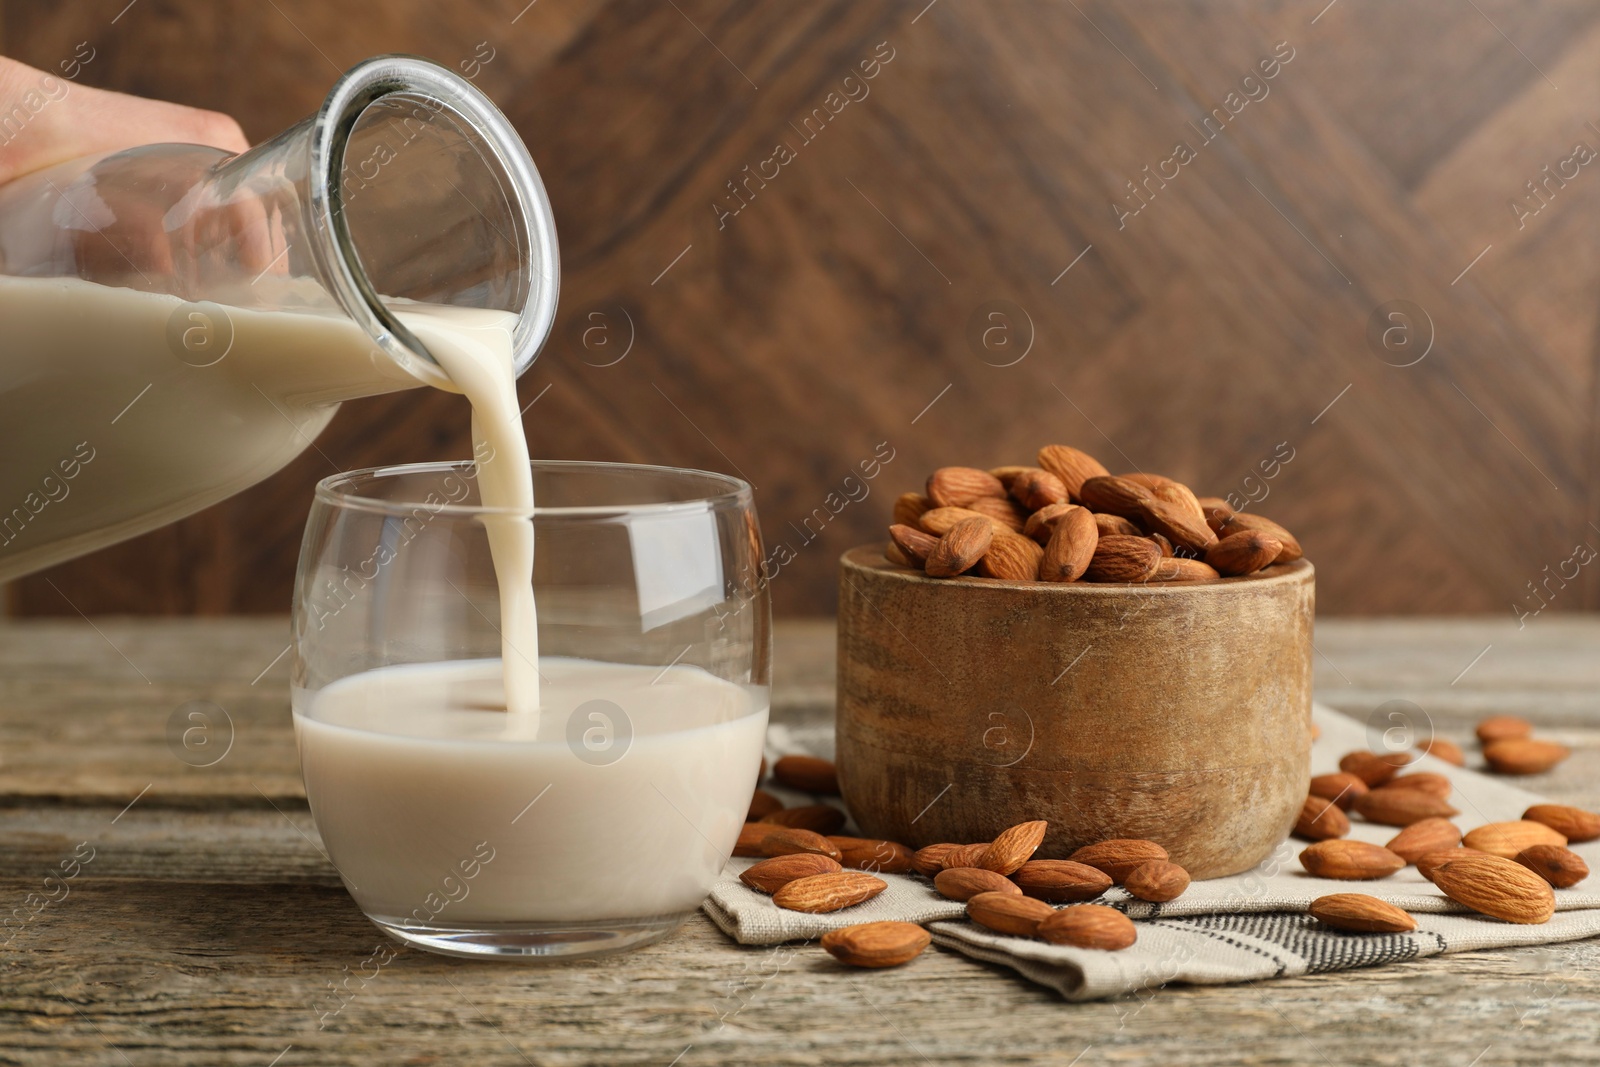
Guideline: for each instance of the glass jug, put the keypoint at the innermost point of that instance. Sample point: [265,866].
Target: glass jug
[177,323]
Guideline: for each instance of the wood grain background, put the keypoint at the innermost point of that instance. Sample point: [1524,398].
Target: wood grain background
[987,169]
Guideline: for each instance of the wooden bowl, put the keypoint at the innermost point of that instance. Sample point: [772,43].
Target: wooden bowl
[1178,712]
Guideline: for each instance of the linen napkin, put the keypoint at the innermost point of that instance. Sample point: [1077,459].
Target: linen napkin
[1242,928]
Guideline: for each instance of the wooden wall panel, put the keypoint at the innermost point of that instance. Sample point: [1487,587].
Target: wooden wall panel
[1194,337]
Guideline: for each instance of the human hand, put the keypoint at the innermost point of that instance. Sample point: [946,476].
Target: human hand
[46,119]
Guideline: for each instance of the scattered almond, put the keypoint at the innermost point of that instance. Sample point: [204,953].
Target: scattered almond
[1158,881]
[1061,881]
[1524,755]
[808,774]
[1402,807]
[1371,768]
[929,860]
[1561,867]
[1071,547]
[964,883]
[1008,913]
[1088,926]
[1361,913]
[1445,749]
[1119,857]
[1423,837]
[762,804]
[818,818]
[961,547]
[1427,781]
[770,875]
[871,854]
[1573,823]
[788,840]
[1506,839]
[1321,820]
[1429,863]
[1496,886]
[913,543]
[828,892]
[1503,727]
[1012,557]
[1072,466]
[1340,787]
[1013,847]
[1123,559]
[956,487]
[879,944]
[1349,860]
[751,836]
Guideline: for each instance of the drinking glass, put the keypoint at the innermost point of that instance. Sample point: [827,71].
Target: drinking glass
[598,823]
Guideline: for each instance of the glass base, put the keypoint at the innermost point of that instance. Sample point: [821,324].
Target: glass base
[533,941]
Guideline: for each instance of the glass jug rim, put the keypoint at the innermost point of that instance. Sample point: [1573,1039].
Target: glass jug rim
[357,90]
[344,490]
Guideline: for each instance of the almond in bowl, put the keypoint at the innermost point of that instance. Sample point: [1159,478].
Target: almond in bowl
[1109,653]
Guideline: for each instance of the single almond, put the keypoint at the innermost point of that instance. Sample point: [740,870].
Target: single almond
[1496,886]
[1573,823]
[1011,557]
[872,854]
[1181,497]
[1167,551]
[1360,913]
[880,944]
[789,840]
[1042,523]
[1371,768]
[1061,881]
[1244,552]
[1123,559]
[913,543]
[828,892]
[1071,548]
[909,508]
[808,774]
[1561,867]
[1007,516]
[1340,787]
[1423,837]
[770,875]
[1430,862]
[1401,807]
[1119,857]
[1506,839]
[1013,846]
[1503,727]
[1008,913]
[1072,466]
[1183,569]
[1445,749]
[1245,520]
[964,883]
[1176,524]
[1216,510]
[1009,474]
[1108,525]
[893,554]
[1088,926]
[1115,496]
[966,855]
[751,837]
[762,804]
[928,861]
[1038,488]
[1321,820]
[1524,755]
[818,818]
[956,487]
[961,547]
[1427,781]
[1158,881]
[1152,482]
[1349,860]
[939,521]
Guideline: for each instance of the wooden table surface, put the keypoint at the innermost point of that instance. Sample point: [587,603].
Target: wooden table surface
[208,924]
